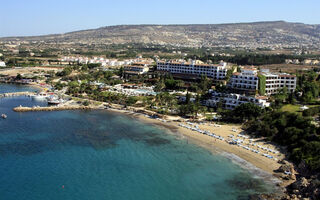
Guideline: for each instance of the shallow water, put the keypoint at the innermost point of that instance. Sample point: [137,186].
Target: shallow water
[102,155]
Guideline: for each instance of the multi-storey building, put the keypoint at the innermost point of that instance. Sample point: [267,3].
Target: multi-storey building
[216,72]
[230,100]
[136,69]
[274,82]
[250,81]
[246,81]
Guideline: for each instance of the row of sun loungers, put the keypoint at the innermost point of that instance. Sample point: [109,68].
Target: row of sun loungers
[197,129]
[253,144]
[236,141]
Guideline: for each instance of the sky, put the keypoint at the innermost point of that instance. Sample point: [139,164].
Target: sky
[39,17]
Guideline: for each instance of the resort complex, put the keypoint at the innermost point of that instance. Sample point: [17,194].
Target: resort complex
[240,109]
[247,85]
[159,100]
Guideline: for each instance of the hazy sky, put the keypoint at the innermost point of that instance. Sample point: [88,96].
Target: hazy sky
[37,17]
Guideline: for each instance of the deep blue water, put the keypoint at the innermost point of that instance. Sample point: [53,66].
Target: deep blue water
[83,155]
[4,88]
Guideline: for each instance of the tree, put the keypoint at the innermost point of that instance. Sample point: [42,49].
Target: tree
[65,72]
[84,68]
[204,84]
[179,84]
[170,83]
[188,97]
[94,65]
[230,73]
[18,77]
[86,103]
[159,86]
[297,133]
[131,100]
[120,72]
[242,113]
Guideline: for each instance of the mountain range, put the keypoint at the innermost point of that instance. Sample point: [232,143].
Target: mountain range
[274,34]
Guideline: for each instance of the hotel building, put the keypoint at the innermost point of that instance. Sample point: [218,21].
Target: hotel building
[250,81]
[136,68]
[274,82]
[246,81]
[231,101]
[194,68]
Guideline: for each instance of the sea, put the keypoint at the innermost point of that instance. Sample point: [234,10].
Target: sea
[84,155]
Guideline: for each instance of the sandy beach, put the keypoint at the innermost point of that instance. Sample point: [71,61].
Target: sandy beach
[215,145]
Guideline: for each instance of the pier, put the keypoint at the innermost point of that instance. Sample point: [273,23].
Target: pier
[15,94]
[51,108]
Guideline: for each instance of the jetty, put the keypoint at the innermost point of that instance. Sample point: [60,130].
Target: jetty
[52,108]
[15,94]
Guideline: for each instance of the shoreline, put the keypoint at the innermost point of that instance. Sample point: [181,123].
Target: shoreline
[261,166]
[203,140]
[244,158]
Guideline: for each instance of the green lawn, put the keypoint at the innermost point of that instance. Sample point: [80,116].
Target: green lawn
[294,108]
[290,108]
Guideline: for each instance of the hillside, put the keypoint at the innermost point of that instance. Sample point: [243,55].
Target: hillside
[249,35]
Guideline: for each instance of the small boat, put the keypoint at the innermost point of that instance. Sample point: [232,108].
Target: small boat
[40,96]
[54,100]
[4,116]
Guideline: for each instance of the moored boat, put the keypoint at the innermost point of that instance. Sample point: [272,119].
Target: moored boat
[52,100]
[40,96]
[4,116]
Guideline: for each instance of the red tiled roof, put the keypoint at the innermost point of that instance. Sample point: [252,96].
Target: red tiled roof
[262,97]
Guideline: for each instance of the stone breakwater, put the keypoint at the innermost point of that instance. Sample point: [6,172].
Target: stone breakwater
[15,94]
[52,108]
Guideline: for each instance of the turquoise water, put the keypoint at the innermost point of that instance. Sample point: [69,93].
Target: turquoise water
[85,155]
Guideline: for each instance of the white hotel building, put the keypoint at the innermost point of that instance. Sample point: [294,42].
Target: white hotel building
[216,72]
[231,101]
[274,82]
[137,68]
[247,80]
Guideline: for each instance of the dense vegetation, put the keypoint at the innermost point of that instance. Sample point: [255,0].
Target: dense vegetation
[292,130]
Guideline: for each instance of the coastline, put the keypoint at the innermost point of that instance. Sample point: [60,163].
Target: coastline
[255,163]
[246,159]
